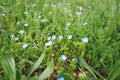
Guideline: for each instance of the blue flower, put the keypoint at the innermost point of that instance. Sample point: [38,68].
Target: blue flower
[60,36]
[26,24]
[25,45]
[85,40]
[53,37]
[49,43]
[60,78]
[69,36]
[63,57]
[21,32]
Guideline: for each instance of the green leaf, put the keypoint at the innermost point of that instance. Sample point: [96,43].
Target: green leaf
[115,72]
[47,71]
[18,75]
[8,65]
[35,66]
[34,78]
[65,75]
[86,66]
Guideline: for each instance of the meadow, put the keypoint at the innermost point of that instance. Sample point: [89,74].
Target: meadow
[59,39]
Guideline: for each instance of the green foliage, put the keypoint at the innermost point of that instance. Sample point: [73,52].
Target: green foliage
[10,72]
[58,27]
[36,65]
[8,65]
[115,72]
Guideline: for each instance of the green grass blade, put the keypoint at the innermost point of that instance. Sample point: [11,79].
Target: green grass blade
[115,72]
[86,66]
[8,65]
[47,71]
[35,66]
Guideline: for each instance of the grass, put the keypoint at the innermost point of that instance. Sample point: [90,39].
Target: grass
[82,37]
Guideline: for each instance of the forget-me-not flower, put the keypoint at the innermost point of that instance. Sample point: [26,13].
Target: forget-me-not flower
[21,32]
[25,45]
[60,78]
[85,40]
[49,43]
[63,57]
[26,24]
[53,37]
[60,36]
[69,36]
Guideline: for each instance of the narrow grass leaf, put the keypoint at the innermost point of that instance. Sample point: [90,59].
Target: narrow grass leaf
[86,66]
[8,65]
[115,72]
[47,71]
[35,66]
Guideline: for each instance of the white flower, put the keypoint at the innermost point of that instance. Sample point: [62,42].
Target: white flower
[69,36]
[68,24]
[26,24]
[25,45]
[21,32]
[60,36]
[63,57]
[60,78]
[49,43]
[85,40]
[53,37]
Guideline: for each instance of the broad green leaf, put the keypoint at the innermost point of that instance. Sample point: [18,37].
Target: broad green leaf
[47,71]
[86,66]
[35,66]
[115,72]
[8,65]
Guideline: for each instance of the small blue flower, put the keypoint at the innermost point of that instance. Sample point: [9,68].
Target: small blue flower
[12,35]
[49,38]
[16,38]
[35,46]
[60,36]
[25,45]
[26,24]
[63,57]
[69,36]
[68,24]
[34,5]
[39,17]
[49,43]
[60,78]
[21,32]
[3,14]
[75,59]
[26,12]
[53,37]
[85,40]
